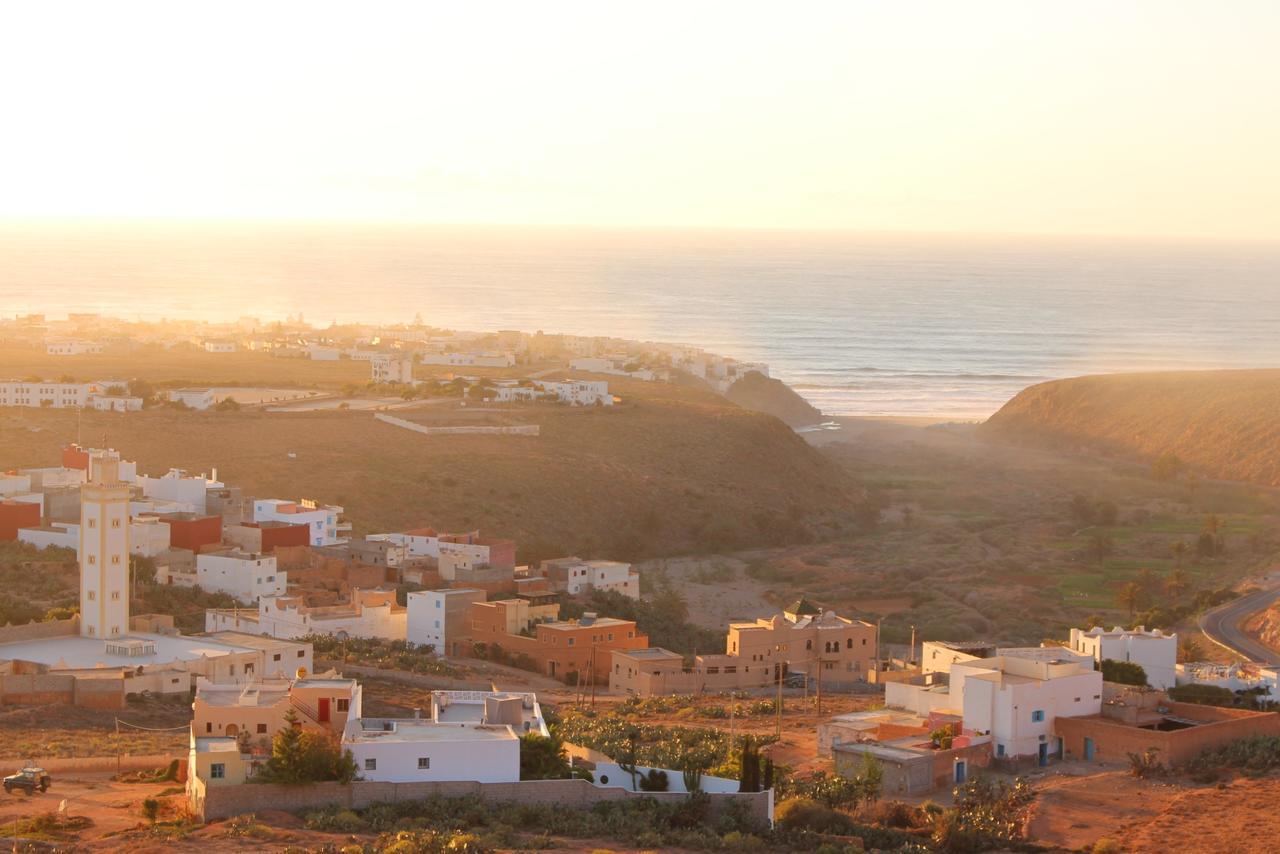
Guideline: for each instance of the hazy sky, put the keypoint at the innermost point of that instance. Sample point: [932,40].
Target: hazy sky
[1116,117]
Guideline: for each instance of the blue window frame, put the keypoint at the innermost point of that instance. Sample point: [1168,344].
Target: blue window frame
[1037,716]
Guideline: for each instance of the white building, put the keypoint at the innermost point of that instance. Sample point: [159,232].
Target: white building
[103,403]
[1154,650]
[320,353]
[519,710]
[247,577]
[65,535]
[415,750]
[475,360]
[370,614]
[390,369]
[578,392]
[1014,696]
[183,491]
[193,398]
[71,347]
[46,394]
[104,557]
[577,577]
[219,346]
[325,520]
[1243,676]
[439,617]
[148,536]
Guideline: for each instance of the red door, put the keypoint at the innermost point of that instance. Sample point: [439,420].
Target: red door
[323,710]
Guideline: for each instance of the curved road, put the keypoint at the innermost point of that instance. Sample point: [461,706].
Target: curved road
[1222,625]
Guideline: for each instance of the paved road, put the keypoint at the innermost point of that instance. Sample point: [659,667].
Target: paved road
[1223,626]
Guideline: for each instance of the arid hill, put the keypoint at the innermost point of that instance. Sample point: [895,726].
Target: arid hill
[763,394]
[1223,424]
[670,471]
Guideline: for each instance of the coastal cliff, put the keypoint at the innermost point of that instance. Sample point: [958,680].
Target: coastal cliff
[1221,424]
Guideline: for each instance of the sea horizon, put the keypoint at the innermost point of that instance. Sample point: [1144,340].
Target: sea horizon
[860,324]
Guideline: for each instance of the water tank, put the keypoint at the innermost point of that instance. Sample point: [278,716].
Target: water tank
[503,709]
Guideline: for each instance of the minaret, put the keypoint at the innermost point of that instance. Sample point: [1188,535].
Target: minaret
[104,550]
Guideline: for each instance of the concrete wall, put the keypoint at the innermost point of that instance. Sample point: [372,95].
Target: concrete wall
[41,631]
[1113,741]
[42,689]
[227,801]
[517,430]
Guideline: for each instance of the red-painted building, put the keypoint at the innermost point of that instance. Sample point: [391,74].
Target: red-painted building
[266,537]
[189,531]
[75,457]
[15,515]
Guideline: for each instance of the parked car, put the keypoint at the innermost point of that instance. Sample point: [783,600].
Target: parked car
[28,779]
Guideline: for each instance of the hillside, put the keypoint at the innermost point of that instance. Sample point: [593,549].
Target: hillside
[671,471]
[763,394]
[1222,424]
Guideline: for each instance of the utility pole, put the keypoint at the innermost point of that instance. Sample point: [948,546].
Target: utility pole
[778,709]
[819,686]
[912,657]
[593,675]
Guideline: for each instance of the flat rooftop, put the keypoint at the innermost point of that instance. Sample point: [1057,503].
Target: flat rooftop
[653,652]
[417,730]
[73,652]
[251,641]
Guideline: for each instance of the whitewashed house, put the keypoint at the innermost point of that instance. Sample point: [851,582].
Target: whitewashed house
[1154,650]
[247,577]
[193,398]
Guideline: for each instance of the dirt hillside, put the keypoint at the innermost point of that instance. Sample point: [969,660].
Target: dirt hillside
[1221,424]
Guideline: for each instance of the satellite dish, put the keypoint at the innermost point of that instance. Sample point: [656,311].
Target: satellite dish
[302,673]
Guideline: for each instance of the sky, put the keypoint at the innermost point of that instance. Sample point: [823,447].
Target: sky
[1098,118]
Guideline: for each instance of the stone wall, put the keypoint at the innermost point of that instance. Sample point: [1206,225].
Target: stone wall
[220,802]
[41,630]
[97,692]
[516,430]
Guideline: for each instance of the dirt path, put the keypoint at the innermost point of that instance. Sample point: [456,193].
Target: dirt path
[111,806]
[1074,812]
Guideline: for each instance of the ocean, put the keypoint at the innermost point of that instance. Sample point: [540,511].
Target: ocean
[859,324]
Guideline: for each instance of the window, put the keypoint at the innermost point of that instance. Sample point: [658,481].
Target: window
[93,523]
[437,603]
[208,726]
[302,653]
[848,643]
[93,560]
[1076,700]
[217,771]
[371,765]
[115,523]
[248,668]
[115,560]
[1037,716]
[571,641]
[115,595]
[275,657]
[262,728]
[93,594]
[343,704]
[864,642]
[424,762]
[610,635]
[999,750]
[808,644]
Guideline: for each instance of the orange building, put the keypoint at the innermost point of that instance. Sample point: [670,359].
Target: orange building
[557,648]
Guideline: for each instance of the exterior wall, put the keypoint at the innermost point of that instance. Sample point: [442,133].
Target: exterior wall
[479,760]
[391,370]
[38,394]
[285,617]
[439,618]
[937,658]
[1113,741]
[148,536]
[846,649]
[922,700]
[557,649]
[213,803]
[59,535]
[175,486]
[117,404]
[246,577]
[324,522]
[195,533]
[1007,709]
[1156,651]
[15,515]
[104,561]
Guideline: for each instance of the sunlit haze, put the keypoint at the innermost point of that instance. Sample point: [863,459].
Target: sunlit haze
[1115,119]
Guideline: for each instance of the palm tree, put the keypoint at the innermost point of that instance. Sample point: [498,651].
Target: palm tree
[1179,550]
[1128,596]
[1177,583]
